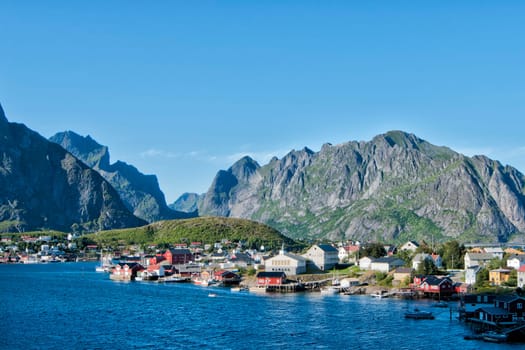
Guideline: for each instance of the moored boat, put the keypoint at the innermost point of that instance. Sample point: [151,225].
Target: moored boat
[494,337]
[419,315]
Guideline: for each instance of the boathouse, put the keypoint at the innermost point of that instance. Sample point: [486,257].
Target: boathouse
[271,278]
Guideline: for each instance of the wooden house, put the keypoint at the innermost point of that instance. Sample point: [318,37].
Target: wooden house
[226,277]
[385,264]
[125,271]
[499,276]
[521,276]
[178,256]
[271,278]
[434,285]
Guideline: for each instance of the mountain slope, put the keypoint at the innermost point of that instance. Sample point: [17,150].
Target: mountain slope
[141,193]
[394,187]
[44,186]
[206,230]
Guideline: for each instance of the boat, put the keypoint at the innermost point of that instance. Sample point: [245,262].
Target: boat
[212,295]
[494,337]
[419,315]
[440,304]
[329,290]
[240,289]
[175,279]
[379,295]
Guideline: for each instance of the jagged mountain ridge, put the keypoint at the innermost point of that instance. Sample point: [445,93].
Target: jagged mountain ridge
[141,193]
[394,187]
[42,186]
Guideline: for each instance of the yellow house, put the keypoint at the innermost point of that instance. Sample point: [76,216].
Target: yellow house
[499,276]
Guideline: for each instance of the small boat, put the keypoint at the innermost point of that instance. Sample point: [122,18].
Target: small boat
[329,290]
[440,304]
[240,289]
[494,337]
[212,295]
[379,295]
[419,315]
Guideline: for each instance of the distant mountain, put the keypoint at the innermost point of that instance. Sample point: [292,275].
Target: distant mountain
[141,193]
[394,187]
[44,186]
[187,203]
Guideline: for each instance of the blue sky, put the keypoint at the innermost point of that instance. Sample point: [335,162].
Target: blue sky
[183,89]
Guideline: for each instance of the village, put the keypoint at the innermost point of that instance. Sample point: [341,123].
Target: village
[488,281]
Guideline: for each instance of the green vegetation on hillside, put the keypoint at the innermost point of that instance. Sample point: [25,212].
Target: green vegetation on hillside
[205,229]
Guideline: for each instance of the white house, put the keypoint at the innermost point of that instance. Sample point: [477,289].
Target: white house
[418,260]
[323,256]
[477,259]
[410,246]
[521,277]
[471,274]
[365,263]
[288,263]
[516,261]
[386,264]
[497,252]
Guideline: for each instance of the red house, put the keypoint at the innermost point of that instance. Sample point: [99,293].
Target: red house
[226,277]
[125,271]
[178,256]
[270,278]
[434,285]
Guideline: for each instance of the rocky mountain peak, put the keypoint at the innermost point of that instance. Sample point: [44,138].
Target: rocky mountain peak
[3,119]
[396,186]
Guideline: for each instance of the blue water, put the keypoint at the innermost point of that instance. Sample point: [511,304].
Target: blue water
[70,306]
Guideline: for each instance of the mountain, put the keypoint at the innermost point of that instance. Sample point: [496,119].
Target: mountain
[392,188]
[187,203]
[141,193]
[44,186]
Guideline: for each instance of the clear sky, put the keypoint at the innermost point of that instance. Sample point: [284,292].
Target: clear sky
[182,89]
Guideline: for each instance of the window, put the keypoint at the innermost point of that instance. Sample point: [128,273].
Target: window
[519,306]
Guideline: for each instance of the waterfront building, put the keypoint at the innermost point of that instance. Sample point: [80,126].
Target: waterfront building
[323,256]
[286,262]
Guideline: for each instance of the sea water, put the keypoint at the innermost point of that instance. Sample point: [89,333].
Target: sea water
[70,306]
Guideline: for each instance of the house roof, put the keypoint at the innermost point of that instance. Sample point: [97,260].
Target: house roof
[271,274]
[507,298]
[435,281]
[522,268]
[480,256]
[493,311]
[391,260]
[179,251]
[327,248]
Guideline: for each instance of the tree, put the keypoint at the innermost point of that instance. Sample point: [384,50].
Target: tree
[427,267]
[452,254]
[406,256]
[482,279]
[373,250]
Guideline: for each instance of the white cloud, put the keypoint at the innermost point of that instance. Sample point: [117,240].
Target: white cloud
[157,153]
